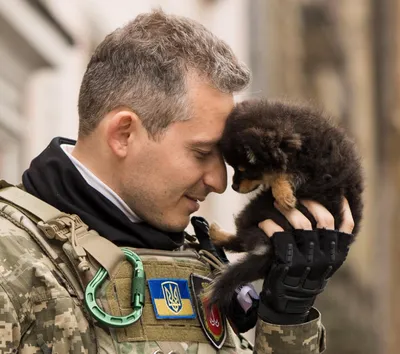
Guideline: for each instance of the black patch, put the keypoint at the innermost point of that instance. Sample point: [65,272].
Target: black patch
[212,321]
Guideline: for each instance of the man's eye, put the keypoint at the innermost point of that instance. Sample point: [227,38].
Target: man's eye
[202,154]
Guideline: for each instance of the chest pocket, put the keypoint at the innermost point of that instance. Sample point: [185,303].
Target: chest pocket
[149,328]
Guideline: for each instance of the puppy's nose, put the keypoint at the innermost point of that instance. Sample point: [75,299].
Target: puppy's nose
[235,187]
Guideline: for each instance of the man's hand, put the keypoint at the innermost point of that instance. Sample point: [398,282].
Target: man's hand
[304,261]
[322,216]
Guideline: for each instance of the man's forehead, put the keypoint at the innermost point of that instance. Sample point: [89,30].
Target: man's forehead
[205,130]
[205,142]
[205,97]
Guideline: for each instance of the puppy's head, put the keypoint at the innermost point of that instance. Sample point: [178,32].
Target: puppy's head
[258,144]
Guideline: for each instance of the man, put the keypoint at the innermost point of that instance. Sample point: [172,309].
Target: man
[152,107]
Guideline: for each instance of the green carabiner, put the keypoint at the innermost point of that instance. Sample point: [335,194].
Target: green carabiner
[138,287]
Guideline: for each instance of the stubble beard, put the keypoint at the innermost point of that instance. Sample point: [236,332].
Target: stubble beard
[145,208]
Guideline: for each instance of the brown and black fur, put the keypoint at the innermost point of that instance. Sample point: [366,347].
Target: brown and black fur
[292,152]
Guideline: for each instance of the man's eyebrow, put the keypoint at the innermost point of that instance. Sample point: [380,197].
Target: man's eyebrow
[205,143]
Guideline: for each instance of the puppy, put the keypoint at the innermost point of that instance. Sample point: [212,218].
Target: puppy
[292,152]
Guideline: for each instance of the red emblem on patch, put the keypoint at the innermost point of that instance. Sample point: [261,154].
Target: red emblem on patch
[211,319]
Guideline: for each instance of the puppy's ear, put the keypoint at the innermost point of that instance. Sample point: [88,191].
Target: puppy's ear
[269,146]
[251,156]
[252,140]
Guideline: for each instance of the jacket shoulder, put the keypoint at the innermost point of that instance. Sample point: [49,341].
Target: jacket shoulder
[27,275]
[18,250]
[36,299]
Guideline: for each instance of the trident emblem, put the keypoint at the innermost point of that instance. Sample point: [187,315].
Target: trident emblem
[172,295]
[214,321]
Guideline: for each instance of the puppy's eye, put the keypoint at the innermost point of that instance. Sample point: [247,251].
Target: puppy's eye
[253,175]
[241,169]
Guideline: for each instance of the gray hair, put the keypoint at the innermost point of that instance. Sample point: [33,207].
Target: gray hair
[144,66]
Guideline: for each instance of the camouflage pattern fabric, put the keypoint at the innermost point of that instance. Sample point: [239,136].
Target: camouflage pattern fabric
[36,312]
[308,338]
[40,312]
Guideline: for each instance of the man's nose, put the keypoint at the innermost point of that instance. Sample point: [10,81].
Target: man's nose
[216,177]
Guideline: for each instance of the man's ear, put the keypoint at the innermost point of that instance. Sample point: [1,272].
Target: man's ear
[122,126]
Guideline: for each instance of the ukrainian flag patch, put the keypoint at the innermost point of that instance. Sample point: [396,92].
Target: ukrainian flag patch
[171,298]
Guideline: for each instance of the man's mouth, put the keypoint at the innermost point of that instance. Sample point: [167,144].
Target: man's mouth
[194,202]
[196,199]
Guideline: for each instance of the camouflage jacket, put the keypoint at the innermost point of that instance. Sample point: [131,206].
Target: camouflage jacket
[41,313]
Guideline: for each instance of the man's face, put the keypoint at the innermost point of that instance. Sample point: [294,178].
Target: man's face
[165,179]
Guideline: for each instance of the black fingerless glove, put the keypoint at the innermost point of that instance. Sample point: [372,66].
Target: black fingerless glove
[304,261]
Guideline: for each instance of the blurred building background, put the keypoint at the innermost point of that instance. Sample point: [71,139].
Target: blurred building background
[343,56]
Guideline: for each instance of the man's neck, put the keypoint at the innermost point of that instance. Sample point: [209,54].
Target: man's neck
[96,182]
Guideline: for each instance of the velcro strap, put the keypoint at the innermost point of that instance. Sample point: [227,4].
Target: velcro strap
[103,251]
[36,209]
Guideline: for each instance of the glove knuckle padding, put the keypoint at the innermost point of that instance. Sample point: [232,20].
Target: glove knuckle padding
[304,261]
[335,246]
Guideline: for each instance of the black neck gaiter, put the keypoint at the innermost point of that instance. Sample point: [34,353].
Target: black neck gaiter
[53,178]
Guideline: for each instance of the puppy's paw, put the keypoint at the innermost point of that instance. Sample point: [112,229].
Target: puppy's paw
[216,233]
[214,229]
[283,192]
[287,202]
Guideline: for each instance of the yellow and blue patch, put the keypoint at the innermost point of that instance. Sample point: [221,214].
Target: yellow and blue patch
[171,298]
